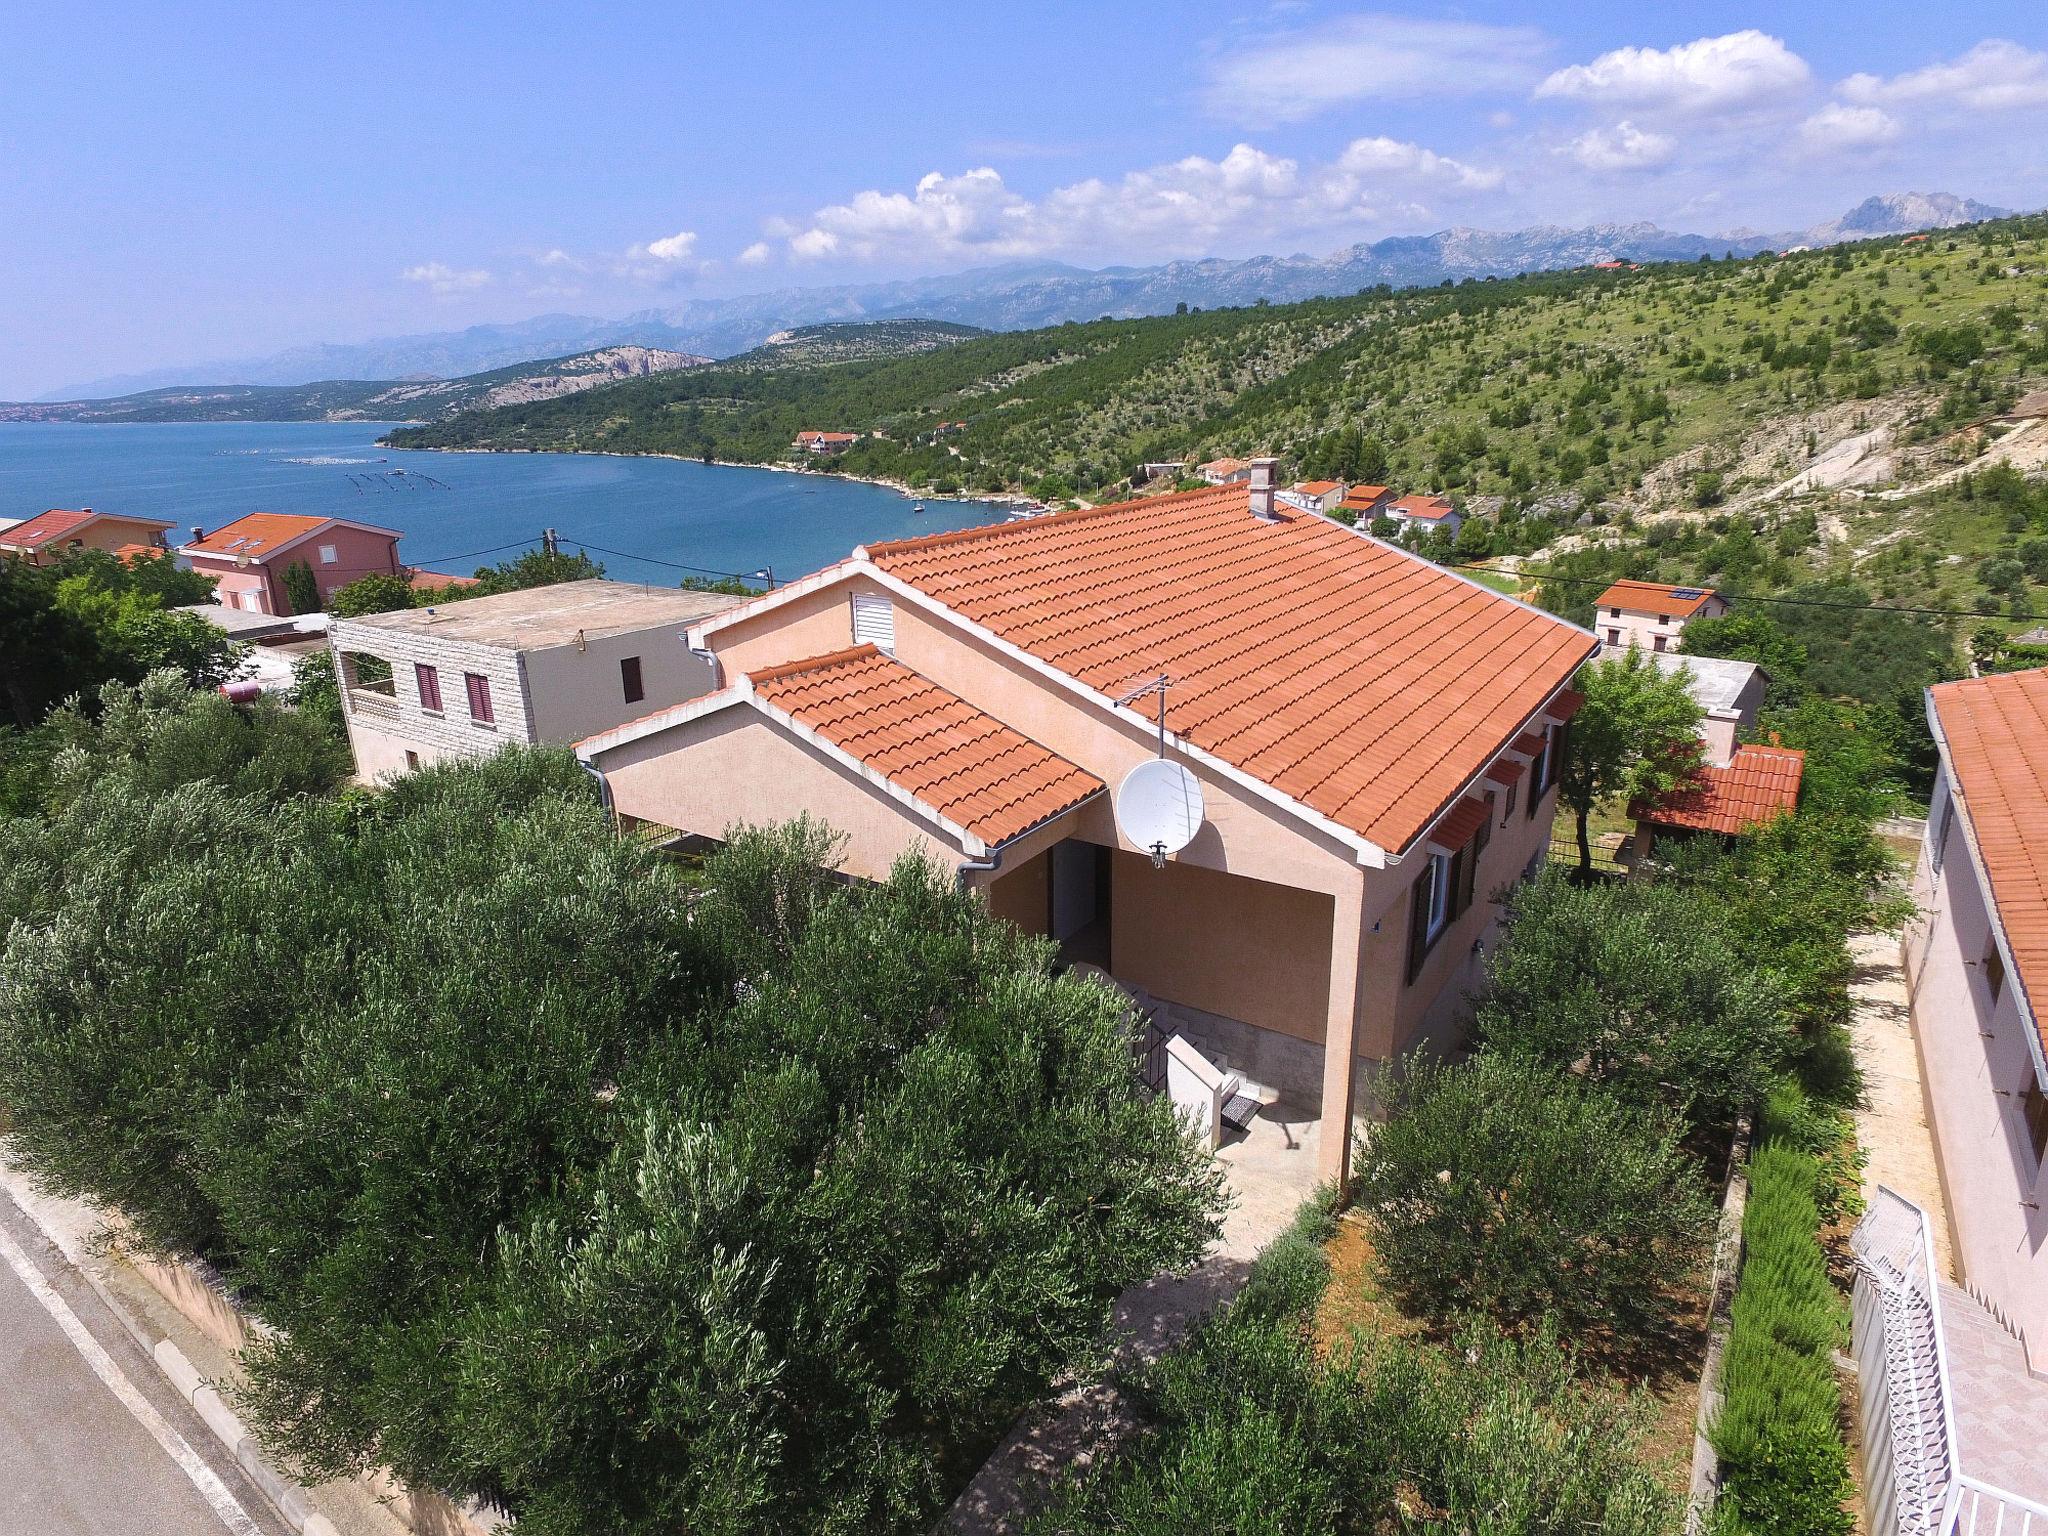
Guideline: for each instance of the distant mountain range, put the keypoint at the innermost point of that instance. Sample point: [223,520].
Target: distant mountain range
[367,399]
[1025,297]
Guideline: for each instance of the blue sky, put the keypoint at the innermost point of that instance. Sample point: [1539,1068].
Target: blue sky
[203,181]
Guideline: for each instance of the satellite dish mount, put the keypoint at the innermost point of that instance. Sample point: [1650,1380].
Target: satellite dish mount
[1159,804]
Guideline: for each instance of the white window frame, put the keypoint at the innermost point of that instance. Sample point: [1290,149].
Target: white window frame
[330,555]
[1439,896]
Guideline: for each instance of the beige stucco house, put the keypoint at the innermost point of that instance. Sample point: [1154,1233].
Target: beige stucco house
[1652,615]
[1374,739]
[546,664]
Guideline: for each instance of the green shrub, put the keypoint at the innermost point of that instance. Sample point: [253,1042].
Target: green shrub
[1640,986]
[1785,1469]
[1504,1187]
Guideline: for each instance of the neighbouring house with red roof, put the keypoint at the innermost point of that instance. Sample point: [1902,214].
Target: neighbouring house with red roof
[1428,513]
[1951,1316]
[1315,495]
[1225,471]
[248,557]
[1651,615]
[825,442]
[1754,787]
[1363,503]
[49,535]
[1375,742]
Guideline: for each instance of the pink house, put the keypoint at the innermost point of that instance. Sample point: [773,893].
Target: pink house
[1374,740]
[248,557]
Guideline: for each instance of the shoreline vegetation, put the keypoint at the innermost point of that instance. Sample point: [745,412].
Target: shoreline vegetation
[1015,499]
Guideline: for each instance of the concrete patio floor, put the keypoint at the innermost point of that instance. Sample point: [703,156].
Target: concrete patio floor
[1271,1169]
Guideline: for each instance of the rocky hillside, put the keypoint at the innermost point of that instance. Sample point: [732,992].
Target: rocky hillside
[370,400]
[807,346]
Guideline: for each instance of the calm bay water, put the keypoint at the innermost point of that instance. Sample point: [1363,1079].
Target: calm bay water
[452,506]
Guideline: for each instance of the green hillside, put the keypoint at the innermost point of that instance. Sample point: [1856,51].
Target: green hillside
[1571,382]
[1861,424]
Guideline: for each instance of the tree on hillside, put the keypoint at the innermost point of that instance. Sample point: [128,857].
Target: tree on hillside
[1636,737]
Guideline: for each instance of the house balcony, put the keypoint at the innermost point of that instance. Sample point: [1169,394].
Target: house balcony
[372,703]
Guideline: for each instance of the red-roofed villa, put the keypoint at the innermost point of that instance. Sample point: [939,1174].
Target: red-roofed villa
[249,556]
[50,535]
[1374,739]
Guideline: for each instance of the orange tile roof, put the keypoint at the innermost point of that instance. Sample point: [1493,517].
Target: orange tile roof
[1358,680]
[140,552]
[1758,785]
[1317,487]
[263,534]
[964,764]
[437,581]
[1226,466]
[1995,738]
[47,527]
[1654,597]
[1364,493]
[43,528]
[1429,508]
[1506,772]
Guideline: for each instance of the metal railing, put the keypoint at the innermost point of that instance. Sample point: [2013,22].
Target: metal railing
[1913,1483]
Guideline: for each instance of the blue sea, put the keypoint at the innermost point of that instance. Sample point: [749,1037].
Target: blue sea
[645,519]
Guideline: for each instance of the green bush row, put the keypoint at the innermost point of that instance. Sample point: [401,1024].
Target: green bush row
[1785,1467]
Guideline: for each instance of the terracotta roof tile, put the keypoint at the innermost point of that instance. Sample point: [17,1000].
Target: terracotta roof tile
[1758,785]
[42,529]
[1996,734]
[1505,772]
[965,765]
[1429,508]
[258,535]
[1366,683]
[1655,597]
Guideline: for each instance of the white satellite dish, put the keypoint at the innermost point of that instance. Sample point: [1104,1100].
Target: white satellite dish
[1159,807]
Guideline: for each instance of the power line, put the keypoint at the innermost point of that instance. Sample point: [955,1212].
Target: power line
[474,554]
[674,565]
[1733,597]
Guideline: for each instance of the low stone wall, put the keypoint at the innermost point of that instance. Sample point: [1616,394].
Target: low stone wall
[200,1299]
[1706,1465]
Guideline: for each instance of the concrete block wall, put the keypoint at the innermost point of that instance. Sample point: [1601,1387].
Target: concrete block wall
[451,733]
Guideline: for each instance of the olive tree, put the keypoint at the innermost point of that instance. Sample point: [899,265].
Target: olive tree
[1503,1187]
[1635,737]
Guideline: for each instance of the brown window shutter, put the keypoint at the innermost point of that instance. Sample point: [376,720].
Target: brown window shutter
[1463,869]
[1418,923]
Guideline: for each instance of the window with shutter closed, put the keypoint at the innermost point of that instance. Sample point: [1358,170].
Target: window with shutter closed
[1418,921]
[874,621]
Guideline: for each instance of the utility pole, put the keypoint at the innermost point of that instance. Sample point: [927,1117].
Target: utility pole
[547,541]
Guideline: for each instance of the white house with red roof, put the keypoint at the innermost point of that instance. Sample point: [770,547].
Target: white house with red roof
[1651,614]
[1430,514]
[812,441]
[1374,740]
[248,557]
[1315,495]
[50,535]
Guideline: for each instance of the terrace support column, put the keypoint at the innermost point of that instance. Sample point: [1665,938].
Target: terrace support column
[1340,1034]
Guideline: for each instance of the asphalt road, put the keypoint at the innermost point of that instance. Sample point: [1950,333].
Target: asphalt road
[93,1441]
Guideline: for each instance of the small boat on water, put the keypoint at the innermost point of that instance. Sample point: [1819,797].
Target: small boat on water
[917,506]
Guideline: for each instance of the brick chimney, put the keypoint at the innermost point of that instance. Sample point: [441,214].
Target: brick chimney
[1264,473]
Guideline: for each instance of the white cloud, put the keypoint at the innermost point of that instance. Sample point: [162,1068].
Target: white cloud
[1994,76]
[1301,74]
[444,279]
[756,254]
[669,248]
[1185,207]
[1712,74]
[1624,147]
[1838,127]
